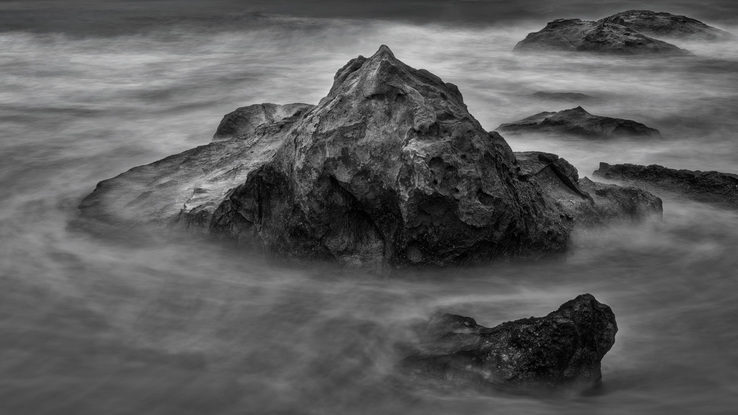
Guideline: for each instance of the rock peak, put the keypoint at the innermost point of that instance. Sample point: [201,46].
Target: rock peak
[383,75]
[383,51]
[371,74]
[579,109]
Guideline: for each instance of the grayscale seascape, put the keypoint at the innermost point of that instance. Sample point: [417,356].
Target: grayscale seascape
[155,322]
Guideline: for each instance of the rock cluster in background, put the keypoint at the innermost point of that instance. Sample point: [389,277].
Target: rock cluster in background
[632,32]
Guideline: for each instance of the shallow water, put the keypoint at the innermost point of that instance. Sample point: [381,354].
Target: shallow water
[121,324]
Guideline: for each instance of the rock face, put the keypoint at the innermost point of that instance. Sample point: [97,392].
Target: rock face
[659,24]
[388,169]
[578,122]
[577,35]
[561,350]
[709,187]
[586,202]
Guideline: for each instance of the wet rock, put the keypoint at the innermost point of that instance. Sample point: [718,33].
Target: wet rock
[578,35]
[702,186]
[583,201]
[561,350]
[660,24]
[243,121]
[389,169]
[578,122]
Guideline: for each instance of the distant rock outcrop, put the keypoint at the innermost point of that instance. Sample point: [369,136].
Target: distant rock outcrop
[578,35]
[660,24]
[578,122]
[388,169]
[562,96]
[709,187]
[561,350]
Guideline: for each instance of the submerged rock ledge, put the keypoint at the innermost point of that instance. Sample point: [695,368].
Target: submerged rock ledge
[388,169]
[561,350]
[702,186]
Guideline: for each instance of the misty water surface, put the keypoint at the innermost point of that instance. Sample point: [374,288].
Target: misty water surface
[167,324]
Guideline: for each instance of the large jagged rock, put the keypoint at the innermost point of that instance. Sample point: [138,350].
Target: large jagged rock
[709,187]
[667,25]
[578,122]
[561,350]
[587,203]
[578,35]
[391,167]
[388,169]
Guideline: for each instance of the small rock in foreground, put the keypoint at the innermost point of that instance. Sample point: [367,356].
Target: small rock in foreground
[561,350]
